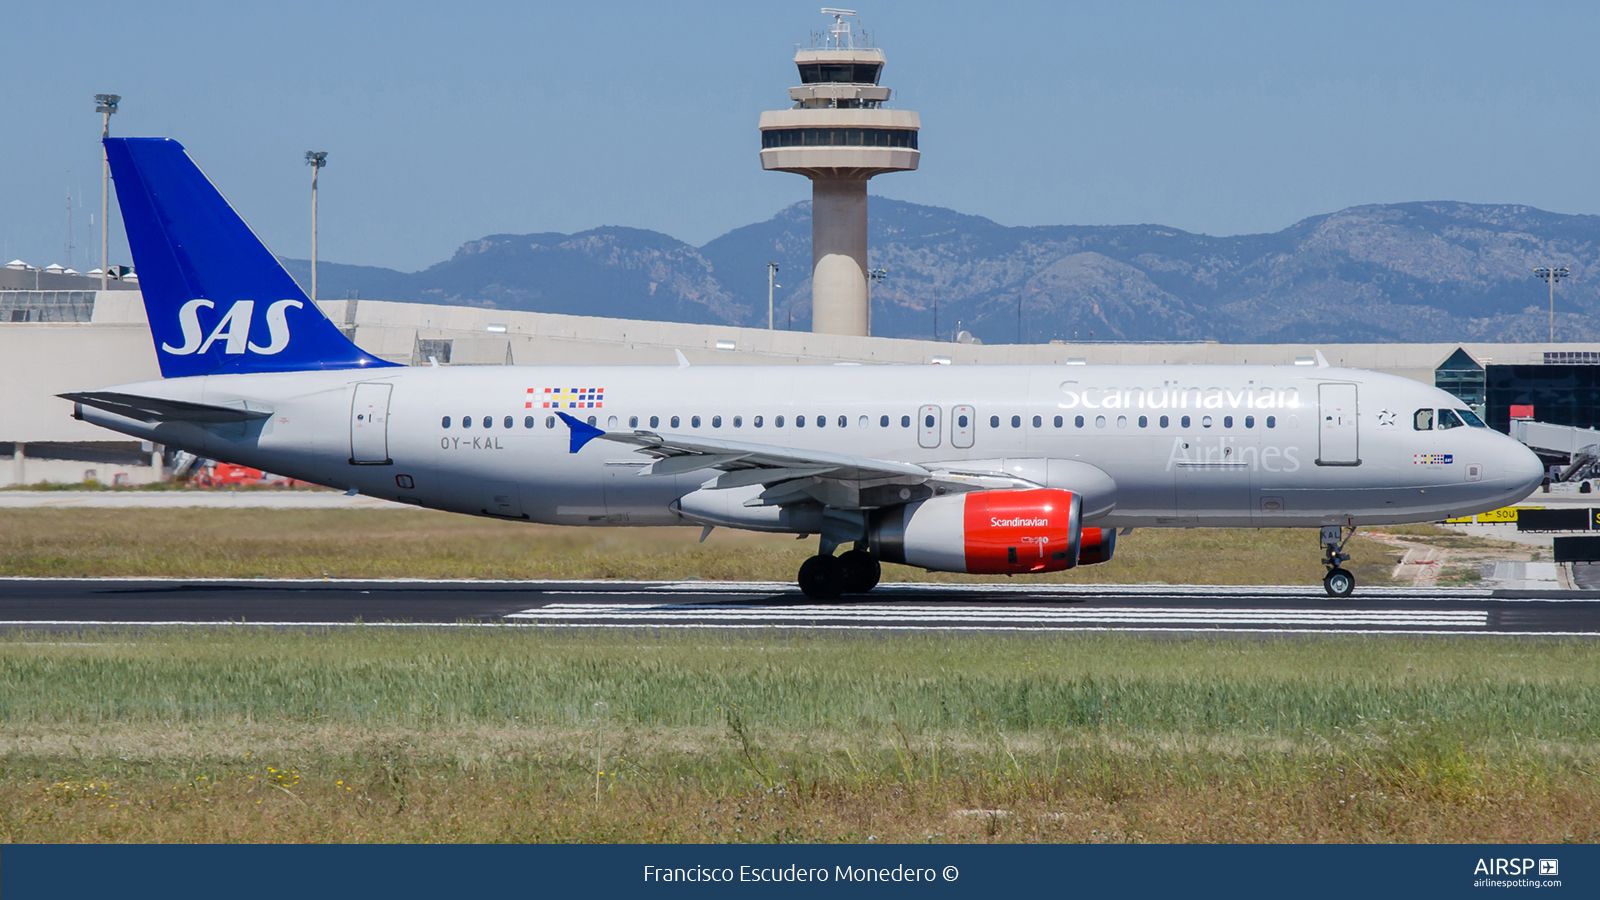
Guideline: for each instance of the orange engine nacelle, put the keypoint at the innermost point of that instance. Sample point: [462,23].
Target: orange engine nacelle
[987,533]
[1096,545]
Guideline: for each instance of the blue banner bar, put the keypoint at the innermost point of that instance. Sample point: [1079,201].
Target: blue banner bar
[393,872]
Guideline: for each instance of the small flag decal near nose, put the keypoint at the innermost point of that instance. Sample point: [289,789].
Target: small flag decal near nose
[1433,459]
[566,398]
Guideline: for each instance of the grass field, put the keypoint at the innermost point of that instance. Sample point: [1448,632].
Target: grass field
[457,735]
[381,543]
[233,734]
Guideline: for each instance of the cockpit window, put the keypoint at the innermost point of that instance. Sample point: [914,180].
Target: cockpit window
[1449,419]
[1423,420]
[1472,418]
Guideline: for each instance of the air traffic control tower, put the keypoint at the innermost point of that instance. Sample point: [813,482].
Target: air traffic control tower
[839,135]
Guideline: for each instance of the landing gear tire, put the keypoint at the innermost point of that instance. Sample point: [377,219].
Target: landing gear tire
[1339,583]
[861,571]
[822,578]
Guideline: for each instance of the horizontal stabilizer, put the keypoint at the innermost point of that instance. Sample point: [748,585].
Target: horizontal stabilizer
[157,409]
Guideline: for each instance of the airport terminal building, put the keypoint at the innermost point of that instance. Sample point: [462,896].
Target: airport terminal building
[59,332]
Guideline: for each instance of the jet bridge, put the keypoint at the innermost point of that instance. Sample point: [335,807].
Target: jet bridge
[1581,447]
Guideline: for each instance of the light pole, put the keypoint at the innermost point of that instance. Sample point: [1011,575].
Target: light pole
[1552,275]
[316,159]
[772,282]
[105,105]
[874,276]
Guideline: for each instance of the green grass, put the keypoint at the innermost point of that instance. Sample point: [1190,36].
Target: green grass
[473,734]
[384,543]
[416,679]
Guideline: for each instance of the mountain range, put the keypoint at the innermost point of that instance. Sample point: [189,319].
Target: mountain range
[1424,271]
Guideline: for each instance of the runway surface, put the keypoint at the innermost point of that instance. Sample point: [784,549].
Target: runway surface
[76,603]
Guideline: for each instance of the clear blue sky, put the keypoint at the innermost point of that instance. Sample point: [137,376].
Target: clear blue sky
[449,121]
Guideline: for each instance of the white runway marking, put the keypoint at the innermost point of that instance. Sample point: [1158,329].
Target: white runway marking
[873,616]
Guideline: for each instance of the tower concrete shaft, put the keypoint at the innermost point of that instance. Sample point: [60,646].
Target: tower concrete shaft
[838,134]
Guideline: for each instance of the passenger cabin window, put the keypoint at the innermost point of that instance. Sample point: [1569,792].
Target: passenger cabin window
[1184,422]
[1272,421]
[655,421]
[738,421]
[466,421]
[694,421]
[674,421]
[1037,421]
[1016,421]
[527,422]
[444,422]
[1058,421]
[883,421]
[1423,420]
[799,421]
[1165,421]
[1077,421]
[843,421]
[822,421]
[778,422]
[508,422]
[1249,421]
[994,421]
[1227,421]
[757,422]
[549,421]
[1449,419]
[633,421]
[488,421]
[716,421]
[905,421]
[1144,421]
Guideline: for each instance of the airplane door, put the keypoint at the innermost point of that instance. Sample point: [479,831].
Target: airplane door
[1337,440]
[928,426]
[369,425]
[963,422]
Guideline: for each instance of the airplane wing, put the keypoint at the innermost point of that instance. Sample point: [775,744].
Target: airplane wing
[791,475]
[157,409]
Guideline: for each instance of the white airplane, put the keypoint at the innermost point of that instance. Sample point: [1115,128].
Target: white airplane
[984,469]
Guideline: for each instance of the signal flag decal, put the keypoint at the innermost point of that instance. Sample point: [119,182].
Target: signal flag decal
[567,398]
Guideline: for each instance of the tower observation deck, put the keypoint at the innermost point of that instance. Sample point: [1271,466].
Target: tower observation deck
[839,135]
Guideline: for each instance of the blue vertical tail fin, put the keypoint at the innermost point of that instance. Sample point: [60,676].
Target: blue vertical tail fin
[218,300]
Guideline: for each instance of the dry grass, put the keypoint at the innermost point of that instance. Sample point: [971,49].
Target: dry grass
[377,544]
[230,735]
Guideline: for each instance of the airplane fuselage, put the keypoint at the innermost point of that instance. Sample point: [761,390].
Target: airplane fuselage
[1148,446]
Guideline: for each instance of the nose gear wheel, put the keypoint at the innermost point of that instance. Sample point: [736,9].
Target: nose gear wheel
[1339,583]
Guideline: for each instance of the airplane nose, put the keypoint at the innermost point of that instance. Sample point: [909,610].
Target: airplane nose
[1523,467]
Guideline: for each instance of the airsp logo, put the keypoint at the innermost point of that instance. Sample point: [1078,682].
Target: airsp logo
[234,329]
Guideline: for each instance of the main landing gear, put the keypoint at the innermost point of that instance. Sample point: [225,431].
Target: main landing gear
[830,577]
[1339,583]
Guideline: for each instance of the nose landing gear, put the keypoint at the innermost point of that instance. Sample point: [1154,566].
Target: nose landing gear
[1339,583]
